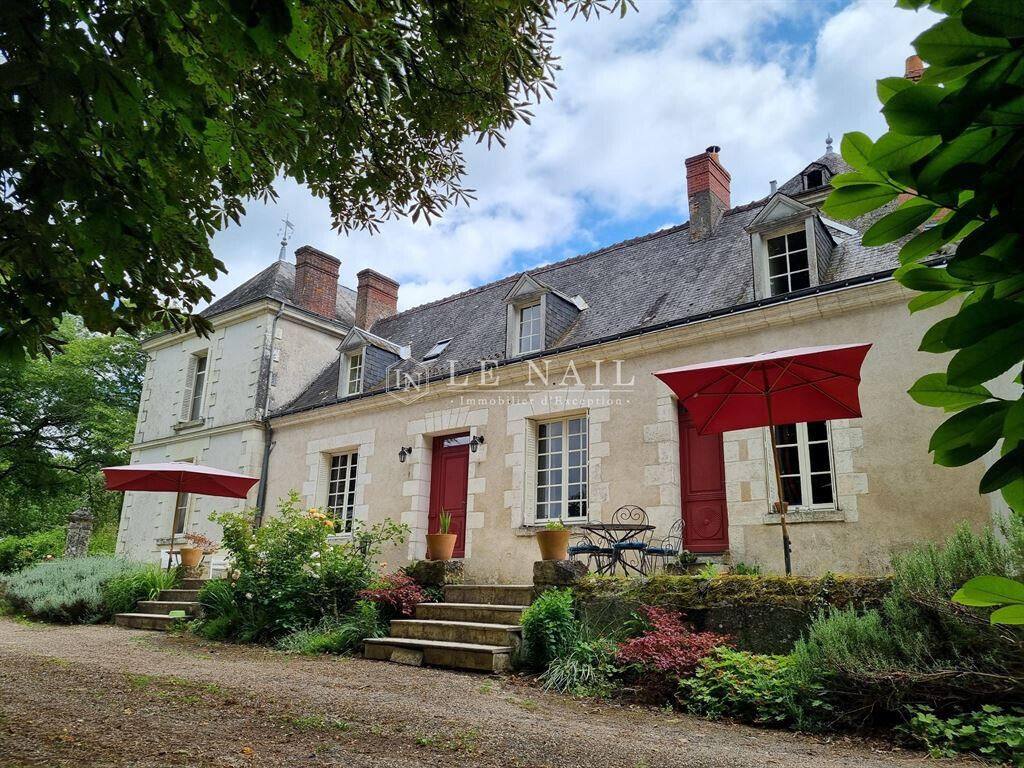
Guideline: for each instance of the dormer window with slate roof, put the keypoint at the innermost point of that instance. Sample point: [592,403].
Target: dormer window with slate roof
[791,247]
[354,372]
[537,316]
[365,361]
[815,177]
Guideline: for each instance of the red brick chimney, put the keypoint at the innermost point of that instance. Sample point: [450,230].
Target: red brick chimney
[376,298]
[316,281]
[914,68]
[707,187]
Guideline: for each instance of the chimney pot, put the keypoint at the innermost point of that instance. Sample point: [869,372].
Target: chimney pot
[707,190]
[914,68]
[376,298]
[316,281]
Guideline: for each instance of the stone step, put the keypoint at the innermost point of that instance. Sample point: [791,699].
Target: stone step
[472,612]
[179,595]
[193,583]
[438,653]
[166,606]
[476,633]
[144,621]
[489,594]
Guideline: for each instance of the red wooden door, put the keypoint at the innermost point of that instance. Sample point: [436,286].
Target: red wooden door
[702,481]
[449,479]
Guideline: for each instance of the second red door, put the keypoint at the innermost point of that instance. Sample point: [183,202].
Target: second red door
[702,482]
[449,479]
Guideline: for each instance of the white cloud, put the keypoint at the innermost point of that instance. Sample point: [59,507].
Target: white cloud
[636,97]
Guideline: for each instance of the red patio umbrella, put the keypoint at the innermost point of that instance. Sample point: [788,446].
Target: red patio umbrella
[178,477]
[794,385]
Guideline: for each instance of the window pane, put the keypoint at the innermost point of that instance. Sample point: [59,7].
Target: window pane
[777,266]
[555,429]
[791,490]
[785,434]
[776,246]
[821,488]
[816,430]
[799,280]
[789,460]
[780,285]
[797,240]
[798,260]
[819,457]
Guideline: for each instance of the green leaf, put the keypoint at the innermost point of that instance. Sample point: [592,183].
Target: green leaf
[856,148]
[983,591]
[962,428]
[888,87]
[1008,468]
[857,177]
[1013,495]
[988,358]
[980,269]
[1013,427]
[995,18]
[1011,614]
[900,222]
[934,391]
[949,42]
[930,299]
[976,321]
[922,278]
[916,111]
[857,199]
[974,145]
[897,150]
[932,340]
[922,245]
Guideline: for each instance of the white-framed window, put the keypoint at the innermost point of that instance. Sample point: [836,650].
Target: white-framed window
[341,490]
[788,267]
[562,469]
[195,408]
[530,329]
[805,463]
[354,373]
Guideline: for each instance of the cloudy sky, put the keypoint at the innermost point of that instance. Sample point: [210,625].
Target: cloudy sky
[766,80]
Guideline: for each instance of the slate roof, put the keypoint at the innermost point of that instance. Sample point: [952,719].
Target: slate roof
[646,281]
[277,282]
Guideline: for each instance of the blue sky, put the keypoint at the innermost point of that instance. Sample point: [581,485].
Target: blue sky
[766,80]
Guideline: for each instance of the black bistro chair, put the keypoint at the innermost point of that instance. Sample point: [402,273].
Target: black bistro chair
[583,548]
[666,550]
[638,543]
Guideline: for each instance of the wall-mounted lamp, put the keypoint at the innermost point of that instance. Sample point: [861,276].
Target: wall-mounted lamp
[476,442]
[404,454]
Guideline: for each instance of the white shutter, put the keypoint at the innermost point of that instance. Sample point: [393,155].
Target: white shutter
[190,379]
[530,468]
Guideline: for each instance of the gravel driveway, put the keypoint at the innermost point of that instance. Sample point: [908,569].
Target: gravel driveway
[104,696]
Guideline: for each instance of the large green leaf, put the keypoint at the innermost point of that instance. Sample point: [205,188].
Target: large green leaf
[932,339]
[897,150]
[949,42]
[900,222]
[856,148]
[857,199]
[1010,614]
[922,278]
[1007,469]
[916,111]
[962,428]
[934,390]
[930,299]
[978,320]
[1013,495]
[974,145]
[888,87]
[995,18]
[923,244]
[1013,427]
[986,591]
[988,358]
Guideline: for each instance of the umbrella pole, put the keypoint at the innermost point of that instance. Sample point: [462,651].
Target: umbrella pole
[786,548]
[174,521]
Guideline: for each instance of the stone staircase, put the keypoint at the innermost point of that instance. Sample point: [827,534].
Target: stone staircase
[154,614]
[476,628]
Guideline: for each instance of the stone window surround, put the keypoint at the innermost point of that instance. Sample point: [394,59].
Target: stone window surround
[422,432]
[521,417]
[759,246]
[318,463]
[513,317]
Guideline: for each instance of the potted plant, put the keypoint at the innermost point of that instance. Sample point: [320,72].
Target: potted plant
[554,541]
[441,545]
[199,546]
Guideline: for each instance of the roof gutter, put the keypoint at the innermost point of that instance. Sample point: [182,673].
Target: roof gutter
[749,306]
[268,431]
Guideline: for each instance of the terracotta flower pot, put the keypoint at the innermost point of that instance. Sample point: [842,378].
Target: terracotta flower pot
[440,546]
[554,544]
[191,556]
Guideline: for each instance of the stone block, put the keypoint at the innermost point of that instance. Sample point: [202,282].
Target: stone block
[436,573]
[556,574]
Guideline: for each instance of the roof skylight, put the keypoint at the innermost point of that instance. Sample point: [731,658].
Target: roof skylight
[437,349]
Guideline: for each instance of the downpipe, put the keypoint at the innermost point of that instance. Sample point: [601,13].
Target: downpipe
[268,432]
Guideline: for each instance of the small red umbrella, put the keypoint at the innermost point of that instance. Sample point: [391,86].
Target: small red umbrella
[794,385]
[178,477]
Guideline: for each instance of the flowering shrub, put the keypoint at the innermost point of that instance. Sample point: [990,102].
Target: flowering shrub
[395,595]
[205,543]
[666,651]
[286,576]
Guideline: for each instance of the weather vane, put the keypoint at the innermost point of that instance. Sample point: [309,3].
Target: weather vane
[285,232]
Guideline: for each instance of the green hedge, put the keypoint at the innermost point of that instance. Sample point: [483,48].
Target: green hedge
[17,552]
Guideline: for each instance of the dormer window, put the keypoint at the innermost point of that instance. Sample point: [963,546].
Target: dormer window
[437,349]
[814,178]
[530,329]
[354,373]
[788,267]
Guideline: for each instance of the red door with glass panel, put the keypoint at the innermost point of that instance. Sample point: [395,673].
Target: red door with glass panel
[449,481]
[702,482]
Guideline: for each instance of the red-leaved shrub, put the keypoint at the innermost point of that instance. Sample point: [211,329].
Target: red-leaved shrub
[395,596]
[668,650]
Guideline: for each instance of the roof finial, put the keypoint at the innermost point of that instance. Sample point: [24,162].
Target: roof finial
[285,232]
[828,143]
